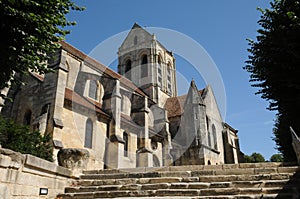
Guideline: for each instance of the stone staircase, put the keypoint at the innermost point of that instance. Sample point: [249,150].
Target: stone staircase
[260,180]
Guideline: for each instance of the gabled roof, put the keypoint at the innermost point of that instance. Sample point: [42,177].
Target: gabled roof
[137,27]
[87,103]
[104,69]
[175,105]
[193,96]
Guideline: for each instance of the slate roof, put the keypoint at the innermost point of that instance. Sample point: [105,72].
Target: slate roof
[175,105]
[107,71]
[83,101]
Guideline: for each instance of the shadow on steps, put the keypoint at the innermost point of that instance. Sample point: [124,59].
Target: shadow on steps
[291,189]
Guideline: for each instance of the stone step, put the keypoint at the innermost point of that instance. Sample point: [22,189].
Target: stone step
[219,178]
[256,196]
[181,192]
[195,173]
[192,168]
[252,196]
[262,180]
[181,185]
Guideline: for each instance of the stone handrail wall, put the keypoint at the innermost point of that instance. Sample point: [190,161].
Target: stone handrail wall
[22,176]
[296,144]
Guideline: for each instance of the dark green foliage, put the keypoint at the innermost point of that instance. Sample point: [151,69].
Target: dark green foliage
[276,158]
[274,67]
[30,31]
[248,159]
[255,157]
[20,139]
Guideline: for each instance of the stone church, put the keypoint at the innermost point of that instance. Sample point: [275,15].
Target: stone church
[133,118]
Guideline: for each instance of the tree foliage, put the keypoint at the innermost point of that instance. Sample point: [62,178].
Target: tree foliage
[30,32]
[254,158]
[20,139]
[274,67]
[276,158]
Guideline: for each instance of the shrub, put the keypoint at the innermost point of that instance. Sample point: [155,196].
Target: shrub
[21,139]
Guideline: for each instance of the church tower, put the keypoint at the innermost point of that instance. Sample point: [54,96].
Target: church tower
[147,63]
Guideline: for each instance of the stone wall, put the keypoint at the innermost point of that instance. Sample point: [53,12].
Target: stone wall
[22,176]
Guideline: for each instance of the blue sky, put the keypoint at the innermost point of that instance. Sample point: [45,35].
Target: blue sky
[220,26]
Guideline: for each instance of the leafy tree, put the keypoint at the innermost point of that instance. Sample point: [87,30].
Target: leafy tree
[257,157]
[253,158]
[30,32]
[274,68]
[276,158]
[20,139]
[248,159]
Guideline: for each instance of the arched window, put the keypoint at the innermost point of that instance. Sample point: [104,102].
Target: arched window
[135,40]
[88,140]
[126,105]
[169,77]
[208,133]
[209,139]
[128,68]
[125,138]
[144,67]
[93,89]
[214,132]
[27,118]
[159,71]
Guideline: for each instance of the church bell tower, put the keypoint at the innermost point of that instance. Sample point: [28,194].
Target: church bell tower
[148,64]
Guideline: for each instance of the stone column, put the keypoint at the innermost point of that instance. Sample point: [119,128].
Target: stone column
[144,154]
[167,146]
[115,145]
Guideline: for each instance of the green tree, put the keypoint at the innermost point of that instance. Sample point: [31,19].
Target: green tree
[257,157]
[20,139]
[276,158]
[253,158]
[248,159]
[30,32]
[274,67]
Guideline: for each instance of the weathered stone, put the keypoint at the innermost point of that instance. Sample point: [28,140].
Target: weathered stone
[166,179]
[13,156]
[250,184]
[73,158]
[155,186]
[177,173]
[220,184]
[223,186]
[198,185]
[177,192]
[180,185]
[265,170]
[131,187]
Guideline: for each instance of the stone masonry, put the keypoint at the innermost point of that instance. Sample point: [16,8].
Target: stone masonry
[133,118]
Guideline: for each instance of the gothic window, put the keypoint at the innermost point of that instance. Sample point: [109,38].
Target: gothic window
[128,69]
[27,117]
[169,76]
[45,109]
[125,138]
[208,133]
[214,132]
[144,67]
[159,71]
[135,40]
[126,105]
[88,140]
[209,138]
[93,89]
